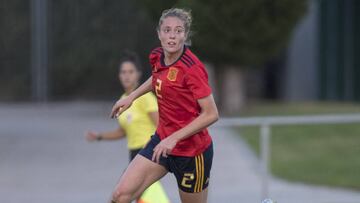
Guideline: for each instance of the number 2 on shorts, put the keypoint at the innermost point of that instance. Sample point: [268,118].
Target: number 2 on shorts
[186,178]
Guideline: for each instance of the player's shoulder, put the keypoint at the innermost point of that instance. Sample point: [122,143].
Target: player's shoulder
[190,60]
[193,64]
[155,54]
[146,98]
[157,51]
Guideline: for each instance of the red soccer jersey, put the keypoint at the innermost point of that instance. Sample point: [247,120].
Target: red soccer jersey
[177,88]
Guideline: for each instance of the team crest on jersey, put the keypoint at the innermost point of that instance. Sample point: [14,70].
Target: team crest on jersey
[172,74]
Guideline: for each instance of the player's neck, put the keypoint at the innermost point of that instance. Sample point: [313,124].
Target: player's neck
[170,58]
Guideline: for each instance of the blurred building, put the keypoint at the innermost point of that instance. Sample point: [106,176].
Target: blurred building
[324,54]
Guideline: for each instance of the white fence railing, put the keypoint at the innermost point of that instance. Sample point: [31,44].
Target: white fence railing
[265,124]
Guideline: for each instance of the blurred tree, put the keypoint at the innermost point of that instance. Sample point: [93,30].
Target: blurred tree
[88,38]
[247,33]
[154,8]
[238,34]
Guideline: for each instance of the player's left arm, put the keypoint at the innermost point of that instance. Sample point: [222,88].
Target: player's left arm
[208,115]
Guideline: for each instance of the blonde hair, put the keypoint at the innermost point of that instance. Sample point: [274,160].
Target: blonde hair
[183,15]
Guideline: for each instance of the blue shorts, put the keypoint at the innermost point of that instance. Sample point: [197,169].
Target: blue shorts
[133,153]
[192,173]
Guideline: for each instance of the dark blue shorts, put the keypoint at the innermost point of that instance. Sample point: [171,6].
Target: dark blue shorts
[192,173]
[133,153]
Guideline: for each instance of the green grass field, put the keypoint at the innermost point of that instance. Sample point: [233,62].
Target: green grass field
[316,154]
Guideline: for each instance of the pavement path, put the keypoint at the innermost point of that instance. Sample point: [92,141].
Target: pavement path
[44,158]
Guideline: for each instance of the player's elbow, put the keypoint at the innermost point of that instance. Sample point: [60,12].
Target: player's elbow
[213,116]
[209,110]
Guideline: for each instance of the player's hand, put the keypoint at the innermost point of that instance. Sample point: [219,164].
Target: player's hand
[120,106]
[91,136]
[163,148]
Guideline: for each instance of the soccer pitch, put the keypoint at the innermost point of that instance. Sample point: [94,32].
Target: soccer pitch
[316,154]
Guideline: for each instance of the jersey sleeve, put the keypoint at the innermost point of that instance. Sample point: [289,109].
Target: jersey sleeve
[149,103]
[197,80]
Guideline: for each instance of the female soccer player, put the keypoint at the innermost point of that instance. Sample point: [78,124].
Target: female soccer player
[137,123]
[181,143]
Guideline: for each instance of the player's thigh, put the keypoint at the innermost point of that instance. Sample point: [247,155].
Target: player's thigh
[139,175]
[199,197]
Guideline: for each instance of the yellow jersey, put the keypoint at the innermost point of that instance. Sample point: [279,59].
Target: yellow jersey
[136,121]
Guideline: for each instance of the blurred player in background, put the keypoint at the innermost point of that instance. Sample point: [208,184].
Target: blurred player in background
[181,143]
[136,123]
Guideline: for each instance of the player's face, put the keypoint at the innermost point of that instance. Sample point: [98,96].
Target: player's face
[129,76]
[172,34]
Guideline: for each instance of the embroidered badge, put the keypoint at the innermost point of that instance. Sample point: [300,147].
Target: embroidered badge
[172,73]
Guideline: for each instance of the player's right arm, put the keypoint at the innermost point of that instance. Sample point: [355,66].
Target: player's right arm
[109,135]
[122,104]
